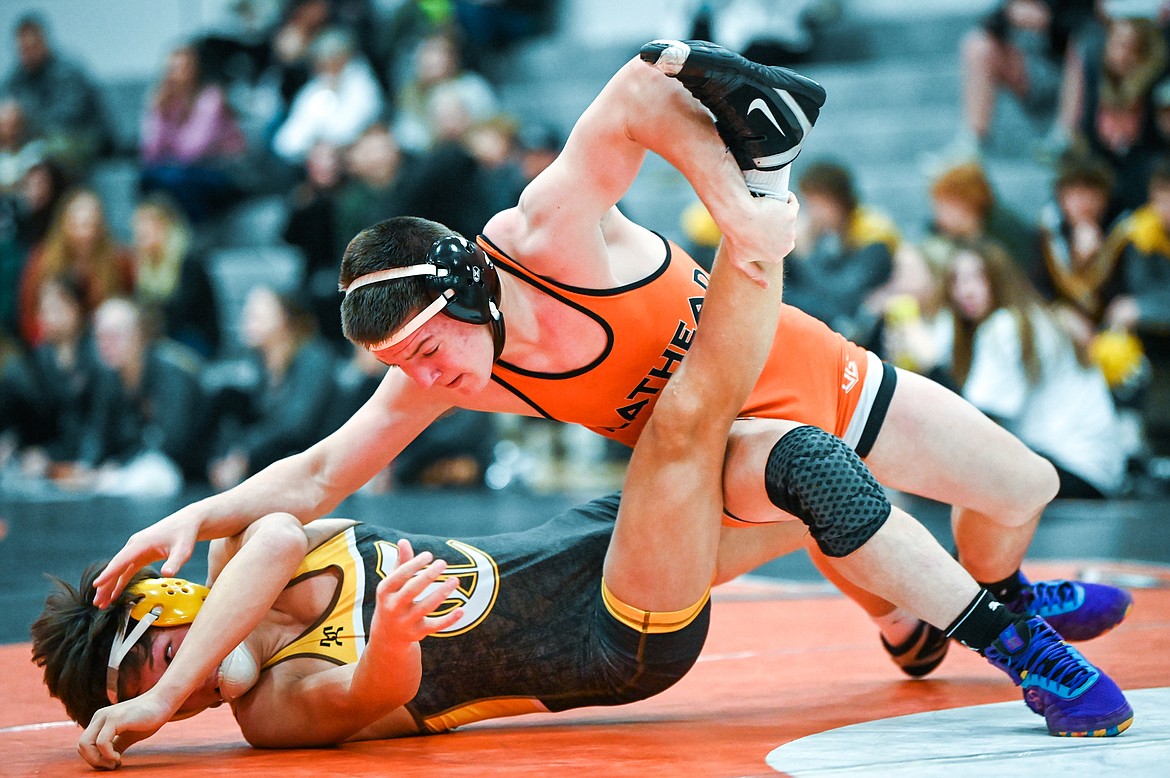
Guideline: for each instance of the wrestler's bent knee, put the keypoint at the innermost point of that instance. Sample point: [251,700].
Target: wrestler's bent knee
[817,478]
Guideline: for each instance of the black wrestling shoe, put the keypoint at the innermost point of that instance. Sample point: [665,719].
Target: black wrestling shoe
[920,653]
[762,113]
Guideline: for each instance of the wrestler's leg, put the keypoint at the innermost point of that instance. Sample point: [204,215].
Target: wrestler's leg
[900,561]
[663,553]
[936,445]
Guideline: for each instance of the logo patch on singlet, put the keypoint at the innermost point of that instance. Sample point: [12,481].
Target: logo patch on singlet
[479,584]
[851,376]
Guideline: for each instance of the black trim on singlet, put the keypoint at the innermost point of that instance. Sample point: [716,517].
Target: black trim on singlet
[325,614]
[550,287]
[521,396]
[662,268]
[878,411]
[523,274]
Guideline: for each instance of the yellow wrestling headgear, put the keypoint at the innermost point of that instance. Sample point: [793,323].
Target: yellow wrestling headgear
[166,602]
[180,600]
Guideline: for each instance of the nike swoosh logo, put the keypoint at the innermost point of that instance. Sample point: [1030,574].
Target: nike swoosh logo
[760,105]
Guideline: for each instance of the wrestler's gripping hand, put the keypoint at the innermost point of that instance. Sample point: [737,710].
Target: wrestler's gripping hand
[410,594]
[114,729]
[172,539]
[763,234]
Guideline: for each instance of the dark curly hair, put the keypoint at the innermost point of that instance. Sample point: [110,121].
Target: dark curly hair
[371,313]
[71,640]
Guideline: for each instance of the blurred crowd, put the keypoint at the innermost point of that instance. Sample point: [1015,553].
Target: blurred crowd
[124,370]
[123,367]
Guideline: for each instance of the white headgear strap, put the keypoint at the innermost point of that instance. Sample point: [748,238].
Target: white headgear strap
[122,645]
[408,329]
[392,273]
[423,316]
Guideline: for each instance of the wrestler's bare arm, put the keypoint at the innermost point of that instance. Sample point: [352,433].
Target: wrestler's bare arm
[558,224]
[293,707]
[247,587]
[306,485]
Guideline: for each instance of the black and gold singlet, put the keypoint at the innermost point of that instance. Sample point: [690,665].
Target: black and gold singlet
[536,634]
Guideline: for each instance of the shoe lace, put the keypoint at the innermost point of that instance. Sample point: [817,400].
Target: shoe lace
[1049,597]
[1057,662]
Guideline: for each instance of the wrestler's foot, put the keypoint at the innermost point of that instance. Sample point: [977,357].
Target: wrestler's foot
[920,653]
[1078,611]
[762,113]
[1074,697]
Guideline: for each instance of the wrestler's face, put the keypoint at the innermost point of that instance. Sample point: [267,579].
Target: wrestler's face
[165,643]
[445,354]
[970,290]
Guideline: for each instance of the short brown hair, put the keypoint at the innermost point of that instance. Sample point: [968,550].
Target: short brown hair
[967,184]
[1087,171]
[71,640]
[371,313]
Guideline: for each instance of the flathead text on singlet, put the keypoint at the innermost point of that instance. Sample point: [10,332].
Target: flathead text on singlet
[646,390]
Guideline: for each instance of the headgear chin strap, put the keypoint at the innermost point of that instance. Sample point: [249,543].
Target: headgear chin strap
[464,281]
[166,602]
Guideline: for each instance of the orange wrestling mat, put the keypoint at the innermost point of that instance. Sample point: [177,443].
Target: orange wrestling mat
[781,663]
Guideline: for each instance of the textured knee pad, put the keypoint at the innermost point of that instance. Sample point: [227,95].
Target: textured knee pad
[820,480]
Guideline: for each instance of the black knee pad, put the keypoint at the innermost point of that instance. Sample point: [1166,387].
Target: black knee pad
[818,479]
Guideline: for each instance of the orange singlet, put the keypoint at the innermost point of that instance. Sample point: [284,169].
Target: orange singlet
[813,375]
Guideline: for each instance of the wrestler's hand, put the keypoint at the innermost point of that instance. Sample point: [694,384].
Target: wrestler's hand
[114,729]
[763,235]
[172,539]
[410,593]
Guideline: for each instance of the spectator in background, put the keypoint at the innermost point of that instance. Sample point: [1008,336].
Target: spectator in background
[146,426]
[292,43]
[1014,363]
[171,284]
[80,247]
[965,208]
[1117,138]
[303,21]
[844,251]
[1143,238]
[19,150]
[1080,269]
[1133,59]
[1117,122]
[1020,47]
[1142,308]
[41,190]
[46,397]
[191,144]
[915,324]
[341,100]
[59,100]
[438,70]
[451,184]
[312,227]
[283,408]
[376,187]
[24,218]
